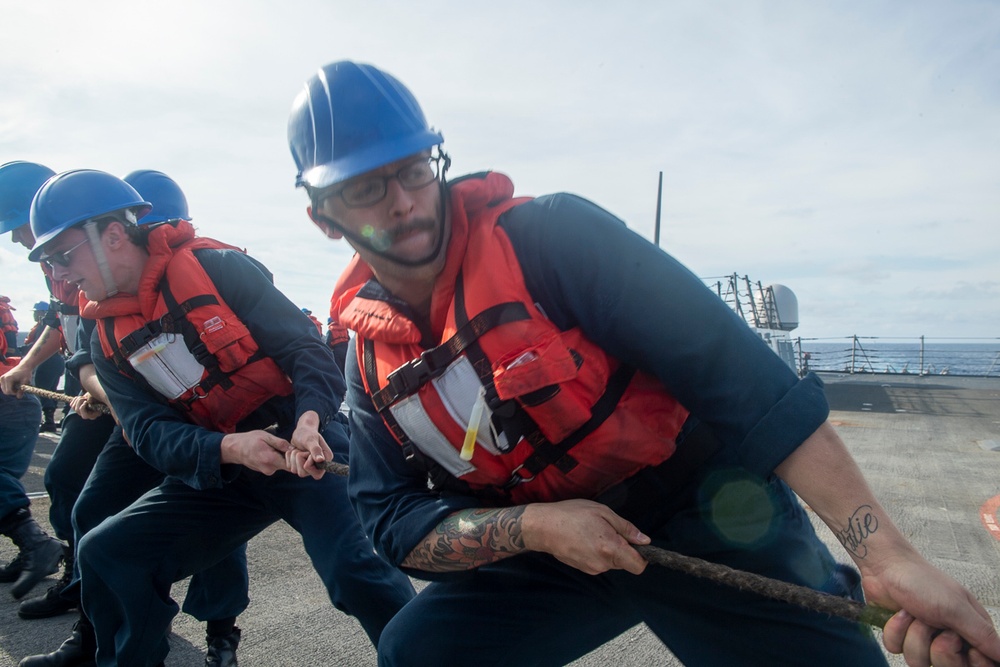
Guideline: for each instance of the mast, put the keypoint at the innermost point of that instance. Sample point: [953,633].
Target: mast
[659,201]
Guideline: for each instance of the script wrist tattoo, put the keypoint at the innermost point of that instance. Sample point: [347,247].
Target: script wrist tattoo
[860,526]
[468,539]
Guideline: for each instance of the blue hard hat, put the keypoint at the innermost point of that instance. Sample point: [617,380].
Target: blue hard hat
[307,311]
[167,198]
[41,305]
[19,181]
[352,118]
[73,197]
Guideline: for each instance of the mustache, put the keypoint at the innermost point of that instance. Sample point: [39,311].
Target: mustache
[383,239]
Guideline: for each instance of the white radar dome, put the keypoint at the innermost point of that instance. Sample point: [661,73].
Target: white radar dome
[787,306]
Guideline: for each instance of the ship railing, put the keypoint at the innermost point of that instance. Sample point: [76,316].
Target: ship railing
[917,355]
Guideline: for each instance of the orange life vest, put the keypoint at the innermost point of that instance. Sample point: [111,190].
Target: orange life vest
[177,298]
[336,333]
[7,321]
[559,419]
[6,363]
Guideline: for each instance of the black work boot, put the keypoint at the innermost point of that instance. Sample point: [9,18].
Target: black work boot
[222,649]
[12,570]
[48,421]
[77,651]
[52,603]
[41,553]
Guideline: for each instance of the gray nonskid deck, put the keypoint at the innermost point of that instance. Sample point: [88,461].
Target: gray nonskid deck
[919,441]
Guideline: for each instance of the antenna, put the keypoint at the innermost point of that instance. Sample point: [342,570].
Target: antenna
[659,201]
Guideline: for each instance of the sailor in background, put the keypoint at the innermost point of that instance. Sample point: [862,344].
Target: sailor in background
[217,595]
[198,353]
[46,374]
[37,554]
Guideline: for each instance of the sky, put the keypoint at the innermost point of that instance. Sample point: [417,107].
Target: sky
[849,151]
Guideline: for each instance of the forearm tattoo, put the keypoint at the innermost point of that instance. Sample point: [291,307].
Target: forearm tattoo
[860,525]
[468,539]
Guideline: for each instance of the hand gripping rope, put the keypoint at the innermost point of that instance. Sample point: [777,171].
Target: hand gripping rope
[65,398]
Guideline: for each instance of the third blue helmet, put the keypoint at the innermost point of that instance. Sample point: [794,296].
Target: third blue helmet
[19,181]
[352,118]
[167,198]
[73,197]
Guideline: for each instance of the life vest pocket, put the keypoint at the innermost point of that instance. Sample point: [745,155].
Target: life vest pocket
[534,369]
[228,339]
[556,381]
[167,365]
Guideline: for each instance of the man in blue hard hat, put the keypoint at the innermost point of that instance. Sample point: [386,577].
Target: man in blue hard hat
[37,553]
[535,390]
[221,384]
[217,595]
[19,181]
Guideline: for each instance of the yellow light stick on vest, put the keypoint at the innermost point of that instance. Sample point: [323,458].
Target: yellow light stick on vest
[145,355]
[470,435]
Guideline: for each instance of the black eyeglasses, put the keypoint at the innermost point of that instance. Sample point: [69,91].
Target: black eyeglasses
[62,258]
[371,190]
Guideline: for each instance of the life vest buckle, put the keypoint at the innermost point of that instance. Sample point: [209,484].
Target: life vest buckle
[409,377]
[139,337]
[517,478]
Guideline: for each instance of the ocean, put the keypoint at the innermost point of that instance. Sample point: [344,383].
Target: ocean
[918,357]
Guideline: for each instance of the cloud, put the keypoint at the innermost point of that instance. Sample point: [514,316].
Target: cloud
[819,145]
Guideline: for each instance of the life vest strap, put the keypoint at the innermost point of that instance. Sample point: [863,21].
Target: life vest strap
[64,308]
[168,323]
[546,453]
[408,378]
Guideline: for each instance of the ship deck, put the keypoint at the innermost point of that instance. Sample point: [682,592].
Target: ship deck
[930,447]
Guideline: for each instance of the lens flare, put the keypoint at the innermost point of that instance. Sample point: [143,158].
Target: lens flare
[742,511]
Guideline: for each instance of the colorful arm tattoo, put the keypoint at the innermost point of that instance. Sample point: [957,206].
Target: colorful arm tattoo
[468,539]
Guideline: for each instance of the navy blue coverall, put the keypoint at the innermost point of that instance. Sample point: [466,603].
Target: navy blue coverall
[585,268]
[204,509]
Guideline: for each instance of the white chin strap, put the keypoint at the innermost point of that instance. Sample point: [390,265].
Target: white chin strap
[110,288]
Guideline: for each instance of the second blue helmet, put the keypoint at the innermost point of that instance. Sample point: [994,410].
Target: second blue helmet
[167,198]
[19,181]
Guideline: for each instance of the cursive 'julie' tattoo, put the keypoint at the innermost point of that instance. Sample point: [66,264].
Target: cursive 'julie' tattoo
[860,525]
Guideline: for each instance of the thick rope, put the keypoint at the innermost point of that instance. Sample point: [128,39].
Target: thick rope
[807,598]
[65,398]
[775,589]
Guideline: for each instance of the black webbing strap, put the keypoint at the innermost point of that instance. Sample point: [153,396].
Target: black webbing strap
[120,360]
[168,323]
[411,453]
[547,453]
[409,377]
